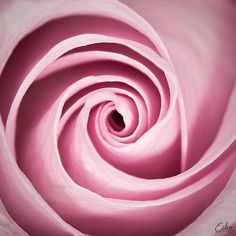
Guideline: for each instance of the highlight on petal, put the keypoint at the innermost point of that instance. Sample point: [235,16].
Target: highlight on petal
[108,127]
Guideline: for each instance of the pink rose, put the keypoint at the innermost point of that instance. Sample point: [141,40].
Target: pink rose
[117,118]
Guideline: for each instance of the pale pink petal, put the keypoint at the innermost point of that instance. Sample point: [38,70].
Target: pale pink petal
[8,225]
[23,202]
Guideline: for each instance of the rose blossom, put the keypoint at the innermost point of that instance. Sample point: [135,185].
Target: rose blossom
[117,118]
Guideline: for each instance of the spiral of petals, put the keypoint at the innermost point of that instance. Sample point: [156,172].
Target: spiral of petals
[96,126]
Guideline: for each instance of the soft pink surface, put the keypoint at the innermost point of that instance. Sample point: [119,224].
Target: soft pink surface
[113,125]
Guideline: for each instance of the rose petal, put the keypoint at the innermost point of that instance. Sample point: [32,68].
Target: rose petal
[32,214]
[194,34]
[8,225]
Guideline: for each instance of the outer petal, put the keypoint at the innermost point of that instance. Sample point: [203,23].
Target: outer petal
[7,224]
[224,207]
[23,203]
[222,210]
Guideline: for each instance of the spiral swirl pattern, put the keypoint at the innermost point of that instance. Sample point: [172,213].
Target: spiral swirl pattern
[96,122]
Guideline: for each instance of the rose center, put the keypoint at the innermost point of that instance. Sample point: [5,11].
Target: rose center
[116,121]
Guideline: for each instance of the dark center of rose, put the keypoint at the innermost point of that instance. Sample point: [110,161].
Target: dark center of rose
[116,121]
